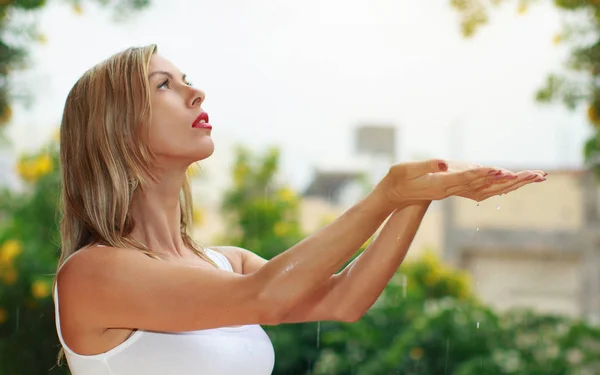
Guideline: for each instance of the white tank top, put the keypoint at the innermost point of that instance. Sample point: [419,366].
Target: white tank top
[222,351]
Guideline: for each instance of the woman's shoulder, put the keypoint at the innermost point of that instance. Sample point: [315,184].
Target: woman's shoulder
[95,260]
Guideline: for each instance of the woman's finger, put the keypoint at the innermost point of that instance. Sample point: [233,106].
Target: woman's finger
[479,182]
[451,180]
[524,179]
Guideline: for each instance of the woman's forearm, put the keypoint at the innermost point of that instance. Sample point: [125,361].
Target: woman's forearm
[359,285]
[293,275]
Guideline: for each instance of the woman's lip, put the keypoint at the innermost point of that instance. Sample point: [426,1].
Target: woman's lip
[198,124]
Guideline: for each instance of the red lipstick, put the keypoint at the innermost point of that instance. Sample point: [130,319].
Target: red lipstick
[202,122]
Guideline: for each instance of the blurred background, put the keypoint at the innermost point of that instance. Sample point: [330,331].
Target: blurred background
[311,102]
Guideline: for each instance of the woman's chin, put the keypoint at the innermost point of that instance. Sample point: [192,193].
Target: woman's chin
[205,151]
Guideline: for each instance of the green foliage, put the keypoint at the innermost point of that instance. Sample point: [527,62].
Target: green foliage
[263,214]
[29,249]
[579,84]
[16,38]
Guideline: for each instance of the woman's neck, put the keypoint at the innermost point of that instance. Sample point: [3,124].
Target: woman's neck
[156,211]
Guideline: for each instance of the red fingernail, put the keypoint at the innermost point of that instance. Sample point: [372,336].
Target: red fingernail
[443,166]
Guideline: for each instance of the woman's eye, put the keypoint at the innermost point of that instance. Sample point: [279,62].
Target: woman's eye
[164,84]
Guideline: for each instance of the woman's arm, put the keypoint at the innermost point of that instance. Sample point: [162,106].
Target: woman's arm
[346,296]
[353,291]
[119,288]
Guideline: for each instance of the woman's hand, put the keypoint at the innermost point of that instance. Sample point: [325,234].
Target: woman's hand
[437,179]
[505,185]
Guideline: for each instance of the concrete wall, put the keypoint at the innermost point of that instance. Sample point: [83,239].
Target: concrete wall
[537,247]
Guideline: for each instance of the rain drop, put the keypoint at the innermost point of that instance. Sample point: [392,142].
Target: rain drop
[318,334]
[477,325]
[447,352]
[477,229]
[497,206]
[18,316]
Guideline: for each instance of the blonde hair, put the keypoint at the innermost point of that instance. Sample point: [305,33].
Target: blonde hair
[104,158]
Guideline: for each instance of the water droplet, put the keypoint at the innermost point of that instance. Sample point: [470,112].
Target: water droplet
[447,352]
[18,318]
[404,282]
[318,334]
[477,325]
[497,206]
[477,229]
[477,204]
[398,238]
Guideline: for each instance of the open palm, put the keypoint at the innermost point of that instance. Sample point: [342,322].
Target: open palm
[438,179]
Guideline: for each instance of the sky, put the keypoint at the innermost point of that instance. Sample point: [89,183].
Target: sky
[302,75]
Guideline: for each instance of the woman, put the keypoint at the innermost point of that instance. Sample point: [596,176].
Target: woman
[138,296]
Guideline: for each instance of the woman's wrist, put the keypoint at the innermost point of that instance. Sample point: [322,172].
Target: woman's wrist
[379,199]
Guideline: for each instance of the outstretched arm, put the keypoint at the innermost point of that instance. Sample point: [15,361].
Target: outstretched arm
[346,296]
[354,290]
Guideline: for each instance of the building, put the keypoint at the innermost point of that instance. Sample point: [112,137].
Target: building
[537,247]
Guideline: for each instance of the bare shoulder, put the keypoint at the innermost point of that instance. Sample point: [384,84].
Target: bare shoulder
[91,271]
[87,264]
[104,288]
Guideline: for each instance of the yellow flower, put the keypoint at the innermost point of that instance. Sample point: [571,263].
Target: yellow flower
[557,39]
[78,9]
[198,216]
[281,228]
[32,169]
[9,276]
[44,164]
[522,8]
[40,289]
[416,353]
[9,251]
[3,315]
[287,195]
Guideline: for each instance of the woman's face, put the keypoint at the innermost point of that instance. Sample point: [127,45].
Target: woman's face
[179,131]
